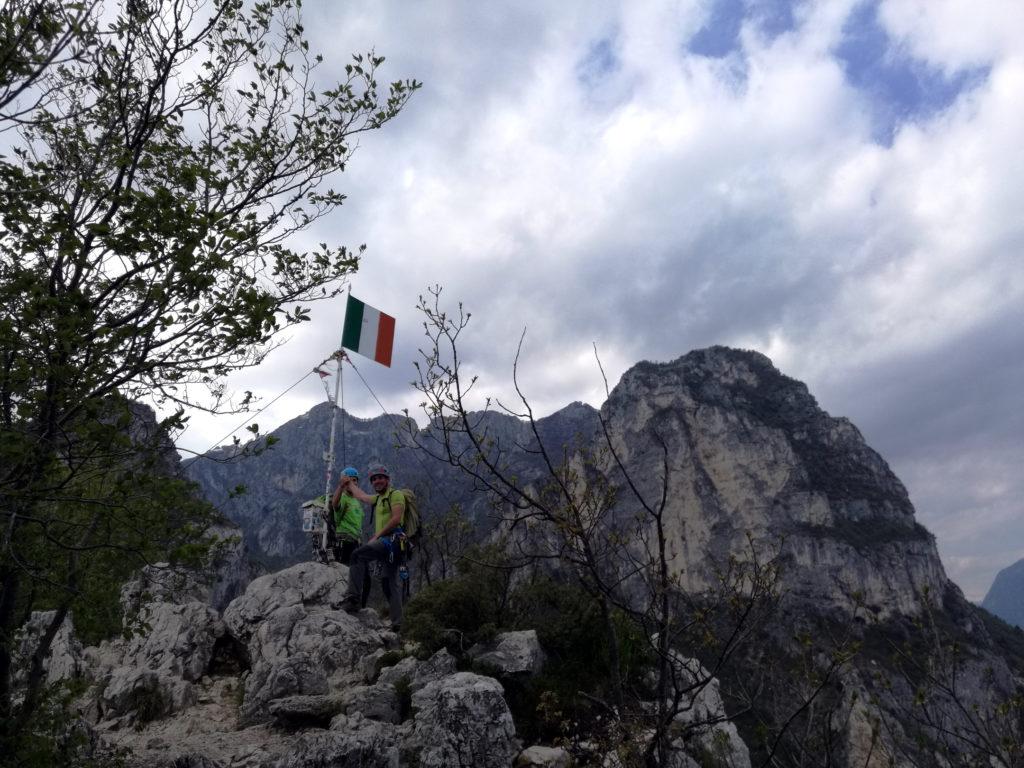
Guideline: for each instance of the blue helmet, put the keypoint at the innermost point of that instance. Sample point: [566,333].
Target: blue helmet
[351,472]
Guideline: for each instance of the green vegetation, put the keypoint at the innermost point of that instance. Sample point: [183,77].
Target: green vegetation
[481,601]
[160,158]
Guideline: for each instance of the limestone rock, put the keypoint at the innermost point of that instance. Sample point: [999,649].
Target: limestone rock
[462,721]
[419,673]
[65,659]
[512,654]
[705,709]
[370,665]
[144,694]
[309,584]
[305,710]
[223,578]
[352,742]
[543,757]
[375,702]
[296,643]
[179,641]
[751,453]
[268,681]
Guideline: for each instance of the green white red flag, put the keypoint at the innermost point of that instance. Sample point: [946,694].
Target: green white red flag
[368,331]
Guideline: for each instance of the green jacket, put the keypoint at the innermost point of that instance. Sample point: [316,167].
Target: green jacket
[348,517]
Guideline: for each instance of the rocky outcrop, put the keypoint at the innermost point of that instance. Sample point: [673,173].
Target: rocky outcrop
[65,660]
[749,453]
[462,721]
[512,654]
[1005,597]
[314,686]
[704,719]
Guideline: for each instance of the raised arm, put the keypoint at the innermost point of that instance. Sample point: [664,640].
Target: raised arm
[355,490]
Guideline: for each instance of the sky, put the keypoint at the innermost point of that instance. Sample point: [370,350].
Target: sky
[834,183]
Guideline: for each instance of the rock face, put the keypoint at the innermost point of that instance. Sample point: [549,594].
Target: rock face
[462,720]
[512,654]
[750,452]
[65,659]
[1005,598]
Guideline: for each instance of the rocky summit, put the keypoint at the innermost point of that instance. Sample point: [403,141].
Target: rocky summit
[284,679]
[748,453]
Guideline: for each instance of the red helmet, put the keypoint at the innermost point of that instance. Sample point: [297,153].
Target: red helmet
[378,469]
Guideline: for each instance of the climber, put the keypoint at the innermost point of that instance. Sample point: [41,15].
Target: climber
[348,518]
[384,546]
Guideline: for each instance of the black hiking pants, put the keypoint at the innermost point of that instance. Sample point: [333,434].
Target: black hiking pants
[359,576]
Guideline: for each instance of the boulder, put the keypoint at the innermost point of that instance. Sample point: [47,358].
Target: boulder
[462,720]
[296,643]
[308,584]
[543,757]
[315,710]
[143,695]
[512,654]
[179,640]
[298,651]
[299,675]
[375,702]
[352,742]
[418,673]
[65,659]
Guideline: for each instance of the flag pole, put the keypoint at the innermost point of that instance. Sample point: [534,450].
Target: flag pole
[339,357]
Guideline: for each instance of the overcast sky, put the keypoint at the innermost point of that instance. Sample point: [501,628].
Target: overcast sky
[837,184]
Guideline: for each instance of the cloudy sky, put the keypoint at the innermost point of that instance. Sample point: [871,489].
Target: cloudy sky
[836,183]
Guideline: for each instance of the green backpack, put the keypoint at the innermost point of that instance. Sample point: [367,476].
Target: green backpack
[411,523]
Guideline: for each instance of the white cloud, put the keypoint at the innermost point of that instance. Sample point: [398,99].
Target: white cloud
[954,34]
[667,201]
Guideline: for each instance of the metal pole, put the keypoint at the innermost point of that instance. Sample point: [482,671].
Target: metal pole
[330,450]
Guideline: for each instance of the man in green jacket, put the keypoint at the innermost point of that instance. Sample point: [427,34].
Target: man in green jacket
[388,512]
[348,517]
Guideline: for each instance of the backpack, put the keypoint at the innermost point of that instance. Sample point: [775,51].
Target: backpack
[411,523]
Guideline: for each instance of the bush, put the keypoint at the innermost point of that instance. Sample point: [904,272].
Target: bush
[459,612]
[480,602]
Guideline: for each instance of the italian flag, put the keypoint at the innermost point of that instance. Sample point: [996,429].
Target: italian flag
[368,331]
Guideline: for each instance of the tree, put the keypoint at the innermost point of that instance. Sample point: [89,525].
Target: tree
[957,704]
[571,519]
[163,162]
[35,37]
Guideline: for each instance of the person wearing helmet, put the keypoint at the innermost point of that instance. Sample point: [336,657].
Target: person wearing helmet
[348,517]
[388,511]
